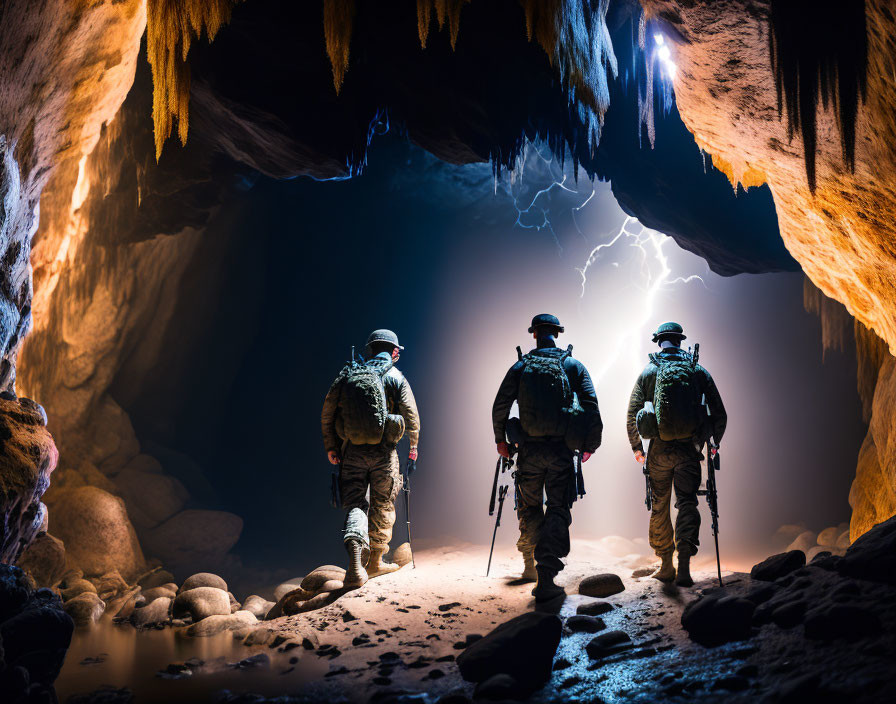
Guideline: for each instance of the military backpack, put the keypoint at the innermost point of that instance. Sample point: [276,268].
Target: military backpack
[676,397]
[362,409]
[545,397]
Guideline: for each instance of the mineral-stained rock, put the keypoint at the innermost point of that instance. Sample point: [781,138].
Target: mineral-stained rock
[85,609]
[203,579]
[317,578]
[44,560]
[777,566]
[601,585]
[97,533]
[194,537]
[27,457]
[873,555]
[523,647]
[716,618]
[217,624]
[257,605]
[201,603]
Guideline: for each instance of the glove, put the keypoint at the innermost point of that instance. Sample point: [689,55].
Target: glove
[504,450]
[412,454]
[586,456]
[334,457]
[639,457]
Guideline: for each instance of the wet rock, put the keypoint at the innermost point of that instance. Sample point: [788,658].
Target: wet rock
[601,585]
[150,595]
[44,560]
[402,556]
[201,603]
[155,612]
[594,608]
[76,587]
[717,618]
[523,647]
[585,624]
[500,687]
[110,584]
[97,533]
[203,579]
[212,625]
[255,662]
[85,609]
[314,581]
[608,643]
[873,555]
[155,578]
[122,606]
[848,621]
[258,606]
[778,566]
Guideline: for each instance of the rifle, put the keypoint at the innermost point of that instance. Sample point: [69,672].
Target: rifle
[499,493]
[648,489]
[406,489]
[713,464]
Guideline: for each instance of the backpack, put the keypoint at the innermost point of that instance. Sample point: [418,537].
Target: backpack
[363,408]
[545,397]
[676,398]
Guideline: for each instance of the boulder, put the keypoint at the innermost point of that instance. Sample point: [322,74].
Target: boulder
[110,584]
[258,606]
[523,647]
[499,688]
[777,566]
[843,542]
[828,537]
[717,618]
[786,534]
[218,624]
[122,606]
[203,579]
[114,442]
[85,609]
[873,555]
[816,551]
[150,595]
[601,585]
[594,608]
[155,578]
[607,644]
[805,540]
[402,556]
[97,533]
[151,497]
[316,579]
[76,587]
[152,613]
[201,603]
[289,586]
[849,621]
[194,537]
[44,560]
[581,623]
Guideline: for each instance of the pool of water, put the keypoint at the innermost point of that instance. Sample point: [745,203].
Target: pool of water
[122,657]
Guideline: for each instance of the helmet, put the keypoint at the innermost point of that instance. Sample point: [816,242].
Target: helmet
[383,335]
[669,330]
[545,320]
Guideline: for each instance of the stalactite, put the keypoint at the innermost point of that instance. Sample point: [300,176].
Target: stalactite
[819,50]
[171,26]
[338,19]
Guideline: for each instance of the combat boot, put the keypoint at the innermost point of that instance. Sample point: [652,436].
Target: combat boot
[355,575]
[529,573]
[684,571]
[666,572]
[546,590]
[377,566]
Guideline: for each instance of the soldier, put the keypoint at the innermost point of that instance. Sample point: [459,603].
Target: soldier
[543,383]
[665,408]
[367,410]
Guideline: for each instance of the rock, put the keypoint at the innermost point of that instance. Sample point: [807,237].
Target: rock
[594,608]
[500,687]
[716,618]
[156,578]
[122,606]
[585,624]
[85,609]
[761,593]
[110,584]
[331,585]
[804,541]
[873,555]
[254,604]
[203,579]
[194,537]
[153,612]
[150,595]
[786,534]
[44,560]
[213,625]
[151,497]
[316,579]
[97,533]
[789,614]
[777,566]
[843,542]
[608,643]
[523,647]
[289,586]
[848,621]
[77,587]
[259,636]
[816,551]
[828,537]
[643,572]
[201,603]
[601,585]
[402,555]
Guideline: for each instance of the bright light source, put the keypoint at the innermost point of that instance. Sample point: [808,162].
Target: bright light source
[664,53]
[658,38]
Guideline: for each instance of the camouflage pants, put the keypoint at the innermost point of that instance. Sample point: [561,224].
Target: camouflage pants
[674,465]
[544,468]
[374,467]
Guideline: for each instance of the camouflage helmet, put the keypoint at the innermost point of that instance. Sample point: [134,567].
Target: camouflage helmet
[545,320]
[383,335]
[669,330]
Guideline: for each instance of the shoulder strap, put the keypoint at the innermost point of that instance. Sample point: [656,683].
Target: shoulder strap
[519,354]
[655,359]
